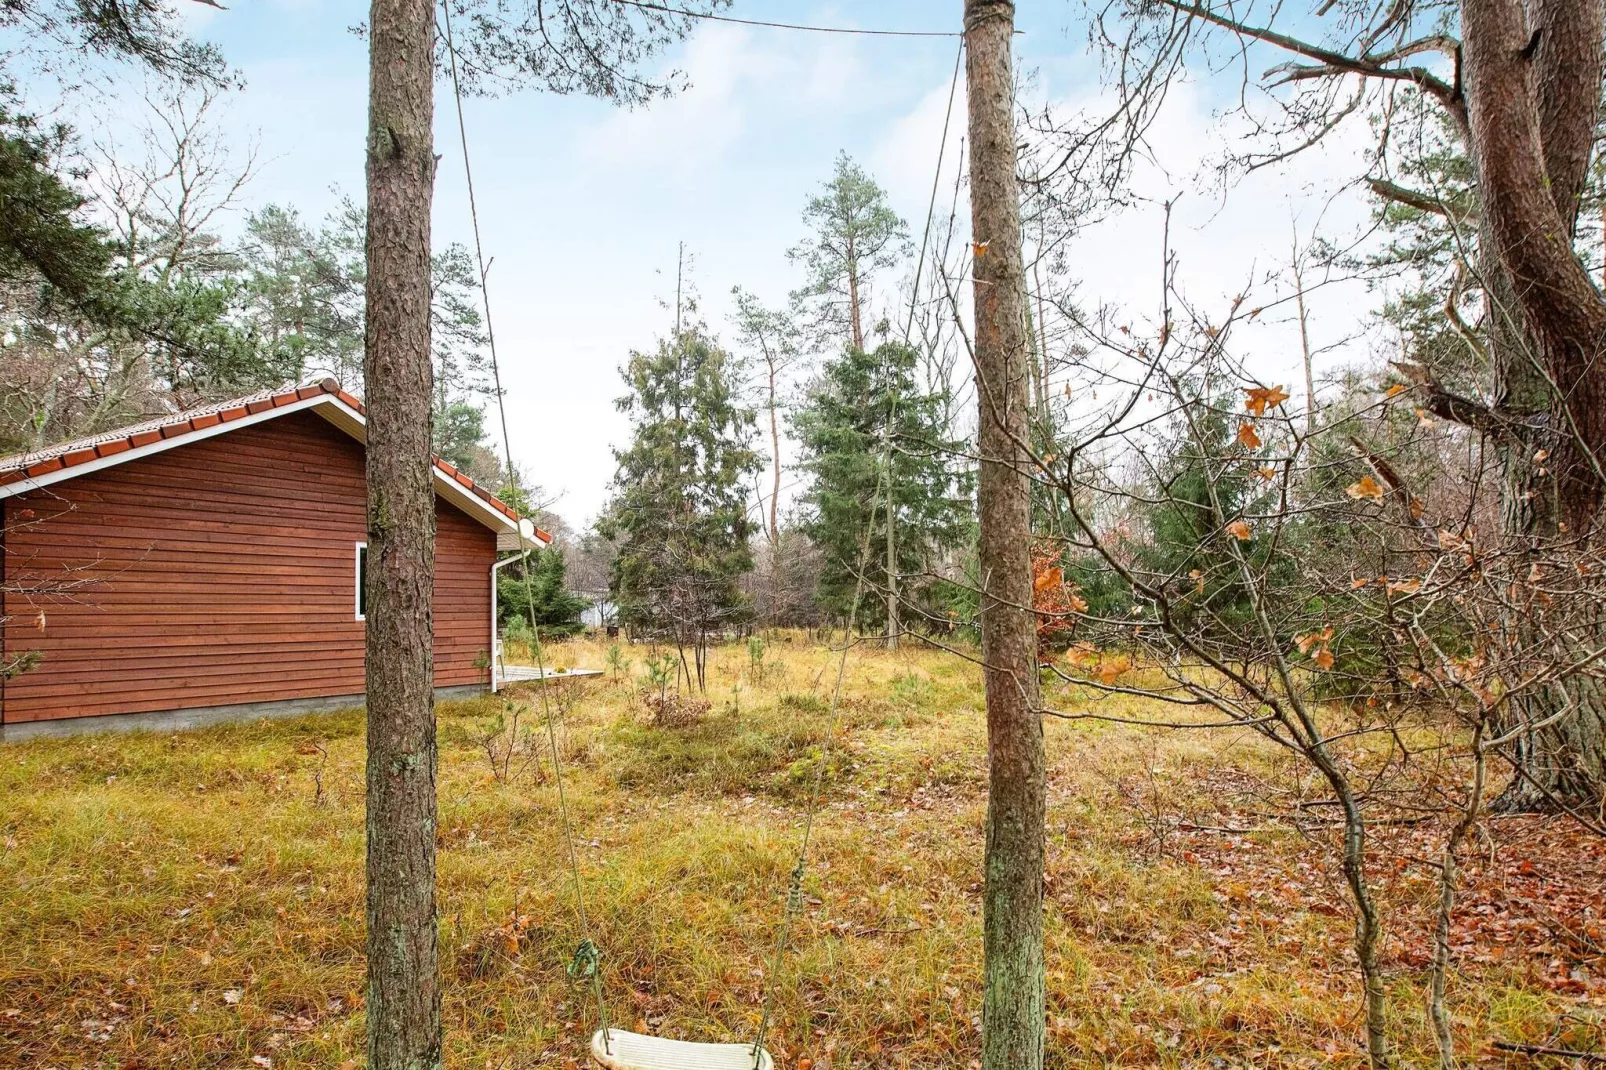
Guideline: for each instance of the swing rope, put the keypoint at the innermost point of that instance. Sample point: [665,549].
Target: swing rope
[794,895]
[586,962]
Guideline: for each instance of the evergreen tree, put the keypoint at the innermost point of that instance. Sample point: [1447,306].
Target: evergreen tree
[557,610]
[855,234]
[679,510]
[843,427]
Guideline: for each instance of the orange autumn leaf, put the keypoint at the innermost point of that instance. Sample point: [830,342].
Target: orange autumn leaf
[1111,669]
[1395,391]
[1268,474]
[1365,487]
[1323,658]
[1239,530]
[1404,586]
[1054,599]
[1247,437]
[1082,654]
[1262,398]
[1198,580]
[1313,639]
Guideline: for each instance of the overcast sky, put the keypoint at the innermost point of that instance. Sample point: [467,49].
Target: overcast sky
[584,206]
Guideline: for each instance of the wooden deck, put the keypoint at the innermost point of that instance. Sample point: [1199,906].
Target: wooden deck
[518,674]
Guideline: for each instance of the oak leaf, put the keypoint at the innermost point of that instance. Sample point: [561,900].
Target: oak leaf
[1365,487]
[1110,669]
[1262,398]
[1247,437]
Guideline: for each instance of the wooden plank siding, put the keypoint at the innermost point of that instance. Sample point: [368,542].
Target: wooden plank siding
[220,571]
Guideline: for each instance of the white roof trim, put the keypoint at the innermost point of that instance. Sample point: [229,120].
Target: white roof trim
[328,406]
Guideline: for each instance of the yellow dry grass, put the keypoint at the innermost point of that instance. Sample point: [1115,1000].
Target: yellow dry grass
[195,900]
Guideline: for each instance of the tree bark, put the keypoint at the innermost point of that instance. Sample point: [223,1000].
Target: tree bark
[855,324]
[1533,79]
[404,1004]
[1012,906]
[775,451]
[1533,93]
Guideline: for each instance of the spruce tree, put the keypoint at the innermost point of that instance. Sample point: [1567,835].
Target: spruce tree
[843,428]
[679,510]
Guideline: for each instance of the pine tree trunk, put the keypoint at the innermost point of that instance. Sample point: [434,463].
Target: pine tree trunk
[1533,77]
[404,1005]
[1012,903]
[775,451]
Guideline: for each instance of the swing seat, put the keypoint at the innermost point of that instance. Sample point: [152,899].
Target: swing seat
[637,1051]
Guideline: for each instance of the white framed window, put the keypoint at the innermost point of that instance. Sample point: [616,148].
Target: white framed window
[362,581]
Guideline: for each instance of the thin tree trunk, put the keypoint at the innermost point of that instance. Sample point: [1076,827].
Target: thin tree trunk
[775,451]
[404,1004]
[855,325]
[1012,898]
[1304,340]
[894,625]
[892,523]
[1449,875]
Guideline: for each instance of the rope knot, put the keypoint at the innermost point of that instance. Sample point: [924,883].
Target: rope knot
[586,961]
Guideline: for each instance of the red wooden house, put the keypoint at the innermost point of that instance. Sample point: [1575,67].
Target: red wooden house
[208,566]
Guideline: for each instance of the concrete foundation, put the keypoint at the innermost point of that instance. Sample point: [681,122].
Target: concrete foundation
[201,716]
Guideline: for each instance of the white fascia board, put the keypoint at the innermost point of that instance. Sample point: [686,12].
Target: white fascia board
[37,482]
[353,423]
[328,406]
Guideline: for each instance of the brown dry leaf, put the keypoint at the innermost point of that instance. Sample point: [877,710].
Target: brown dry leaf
[1077,603]
[1323,658]
[1357,584]
[1239,530]
[1262,398]
[1268,474]
[1541,455]
[1365,487]
[1424,420]
[1110,669]
[1198,580]
[1052,577]
[1417,508]
[1247,437]
[1535,573]
[1311,639]
[1082,654]
[980,248]
[1404,586]
[40,620]
[1449,541]
[1395,391]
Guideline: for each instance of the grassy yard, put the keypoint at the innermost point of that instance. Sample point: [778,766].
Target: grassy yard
[196,900]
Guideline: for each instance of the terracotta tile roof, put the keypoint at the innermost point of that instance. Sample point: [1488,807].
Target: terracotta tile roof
[20,466]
